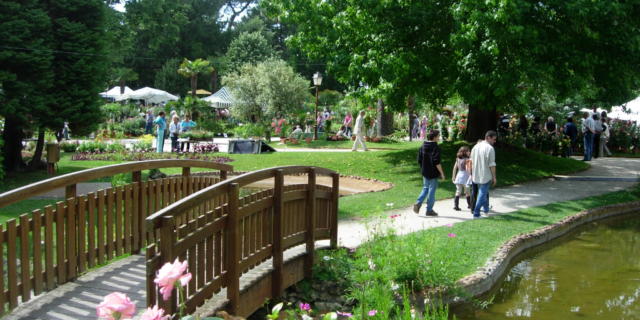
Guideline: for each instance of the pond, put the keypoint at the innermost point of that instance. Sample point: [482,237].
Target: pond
[593,273]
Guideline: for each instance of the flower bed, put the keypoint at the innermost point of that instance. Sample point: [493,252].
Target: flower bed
[139,156]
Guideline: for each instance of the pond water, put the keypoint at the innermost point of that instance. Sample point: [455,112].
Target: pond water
[594,273]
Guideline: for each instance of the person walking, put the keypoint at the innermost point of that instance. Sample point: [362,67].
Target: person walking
[359,131]
[148,129]
[604,138]
[415,133]
[597,125]
[571,131]
[461,177]
[348,121]
[431,169]
[161,124]
[588,129]
[483,172]
[423,128]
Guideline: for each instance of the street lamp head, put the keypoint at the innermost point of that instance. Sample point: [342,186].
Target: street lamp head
[317,79]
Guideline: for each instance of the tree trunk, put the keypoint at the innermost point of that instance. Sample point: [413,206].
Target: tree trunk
[122,83]
[411,104]
[12,148]
[385,120]
[37,155]
[479,122]
[214,81]
[194,85]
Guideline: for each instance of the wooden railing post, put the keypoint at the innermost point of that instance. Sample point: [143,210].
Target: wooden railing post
[223,174]
[136,177]
[310,217]
[278,221]
[70,191]
[333,215]
[186,186]
[233,244]
[167,241]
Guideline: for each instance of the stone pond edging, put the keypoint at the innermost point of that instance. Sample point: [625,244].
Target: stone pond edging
[486,277]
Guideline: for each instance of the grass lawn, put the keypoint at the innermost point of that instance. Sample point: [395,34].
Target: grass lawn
[397,165]
[438,257]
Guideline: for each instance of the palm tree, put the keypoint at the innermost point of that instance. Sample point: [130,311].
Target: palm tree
[191,69]
[122,75]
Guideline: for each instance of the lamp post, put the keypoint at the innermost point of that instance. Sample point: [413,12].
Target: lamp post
[317,81]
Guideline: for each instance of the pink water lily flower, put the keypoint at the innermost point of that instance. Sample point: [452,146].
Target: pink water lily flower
[449,225]
[372,312]
[155,313]
[451,235]
[394,216]
[170,275]
[345,314]
[116,306]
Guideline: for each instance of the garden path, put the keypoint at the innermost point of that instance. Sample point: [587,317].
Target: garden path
[77,300]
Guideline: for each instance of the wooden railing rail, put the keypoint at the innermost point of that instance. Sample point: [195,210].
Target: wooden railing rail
[70,180]
[51,246]
[224,236]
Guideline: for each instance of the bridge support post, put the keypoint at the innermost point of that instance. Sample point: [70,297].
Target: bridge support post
[310,217]
[278,221]
[334,210]
[233,241]
[167,242]
[186,172]
[70,191]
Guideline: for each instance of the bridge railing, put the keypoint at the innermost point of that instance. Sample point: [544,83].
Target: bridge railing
[53,245]
[226,235]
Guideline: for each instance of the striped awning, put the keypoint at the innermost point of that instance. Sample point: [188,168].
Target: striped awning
[221,99]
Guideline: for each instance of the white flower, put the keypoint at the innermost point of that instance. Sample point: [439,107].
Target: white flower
[372,265]
[390,204]
[326,258]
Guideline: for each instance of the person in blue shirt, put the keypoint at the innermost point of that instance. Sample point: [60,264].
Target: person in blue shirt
[186,125]
[161,124]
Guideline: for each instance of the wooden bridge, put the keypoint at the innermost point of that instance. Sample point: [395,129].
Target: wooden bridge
[222,228]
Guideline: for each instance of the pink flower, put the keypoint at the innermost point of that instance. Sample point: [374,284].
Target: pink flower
[372,312]
[449,225]
[154,314]
[345,314]
[394,216]
[116,306]
[304,306]
[451,235]
[170,275]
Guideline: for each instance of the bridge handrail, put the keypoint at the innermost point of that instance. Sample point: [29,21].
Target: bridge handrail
[153,221]
[71,179]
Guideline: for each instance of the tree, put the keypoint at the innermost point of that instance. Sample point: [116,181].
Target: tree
[191,69]
[248,48]
[121,76]
[168,79]
[495,54]
[55,71]
[25,73]
[264,90]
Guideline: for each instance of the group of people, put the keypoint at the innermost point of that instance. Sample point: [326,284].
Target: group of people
[419,127]
[596,133]
[176,127]
[474,172]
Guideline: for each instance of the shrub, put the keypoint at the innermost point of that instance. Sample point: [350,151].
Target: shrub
[142,146]
[92,147]
[249,130]
[115,147]
[133,126]
[197,135]
[69,146]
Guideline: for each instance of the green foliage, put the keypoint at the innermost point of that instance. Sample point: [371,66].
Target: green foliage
[1,167]
[248,48]
[166,78]
[191,69]
[264,90]
[133,126]
[249,130]
[92,146]
[119,180]
[115,147]
[329,98]
[198,135]
[69,146]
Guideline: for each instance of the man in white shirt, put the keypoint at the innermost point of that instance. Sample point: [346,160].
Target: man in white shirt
[588,130]
[359,132]
[483,173]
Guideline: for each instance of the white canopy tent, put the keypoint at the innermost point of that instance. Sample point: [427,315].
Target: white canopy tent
[628,111]
[221,99]
[114,93]
[149,95]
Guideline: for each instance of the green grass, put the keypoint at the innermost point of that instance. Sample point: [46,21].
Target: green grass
[25,206]
[438,257]
[397,166]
